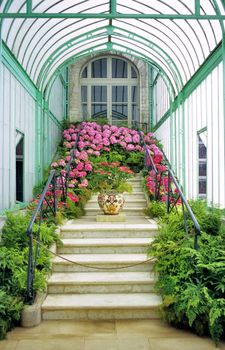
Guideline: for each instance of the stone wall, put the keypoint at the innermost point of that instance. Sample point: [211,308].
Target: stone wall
[75,112]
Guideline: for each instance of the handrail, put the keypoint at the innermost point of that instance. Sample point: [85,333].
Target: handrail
[150,163]
[181,196]
[32,258]
[51,205]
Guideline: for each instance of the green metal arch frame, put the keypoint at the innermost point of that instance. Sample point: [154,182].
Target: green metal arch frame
[214,1]
[124,50]
[90,52]
[155,45]
[137,36]
[80,39]
[52,6]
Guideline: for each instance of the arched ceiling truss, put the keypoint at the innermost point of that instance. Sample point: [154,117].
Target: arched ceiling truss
[175,36]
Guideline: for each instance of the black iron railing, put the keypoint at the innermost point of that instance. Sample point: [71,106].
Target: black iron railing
[46,207]
[169,178]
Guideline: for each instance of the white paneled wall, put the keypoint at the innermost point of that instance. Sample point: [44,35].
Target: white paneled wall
[204,108]
[161,99]
[57,97]
[17,112]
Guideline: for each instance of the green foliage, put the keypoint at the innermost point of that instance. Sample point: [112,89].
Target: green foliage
[191,282]
[135,160]
[10,310]
[14,231]
[13,265]
[156,209]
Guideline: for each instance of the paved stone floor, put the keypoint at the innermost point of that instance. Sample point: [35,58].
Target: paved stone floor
[109,335]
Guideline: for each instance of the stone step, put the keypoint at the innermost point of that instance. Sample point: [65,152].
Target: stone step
[101,282]
[90,211]
[109,230]
[129,203]
[101,306]
[104,245]
[106,262]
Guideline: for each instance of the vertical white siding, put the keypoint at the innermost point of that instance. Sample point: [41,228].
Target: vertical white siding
[57,98]
[161,99]
[17,113]
[41,129]
[204,108]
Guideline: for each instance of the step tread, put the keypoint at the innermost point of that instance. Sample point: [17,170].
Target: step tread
[78,278]
[152,225]
[101,258]
[101,301]
[105,242]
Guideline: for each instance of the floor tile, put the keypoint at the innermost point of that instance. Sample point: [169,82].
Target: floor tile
[133,343]
[101,343]
[184,344]
[72,343]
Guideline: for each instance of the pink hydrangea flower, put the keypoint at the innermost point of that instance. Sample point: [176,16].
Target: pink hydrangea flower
[88,167]
[83,184]
[80,166]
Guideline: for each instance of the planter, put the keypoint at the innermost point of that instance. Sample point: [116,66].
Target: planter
[111,202]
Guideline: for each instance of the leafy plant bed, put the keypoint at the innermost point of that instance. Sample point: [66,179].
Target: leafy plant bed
[191,282]
[13,267]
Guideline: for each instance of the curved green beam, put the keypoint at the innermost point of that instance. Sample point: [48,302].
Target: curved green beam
[87,53]
[70,33]
[128,50]
[168,28]
[127,31]
[162,2]
[47,65]
[219,12]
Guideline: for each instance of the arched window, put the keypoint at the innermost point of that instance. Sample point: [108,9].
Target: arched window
[109,88]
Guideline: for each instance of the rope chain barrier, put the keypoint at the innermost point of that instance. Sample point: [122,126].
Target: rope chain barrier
[107,268]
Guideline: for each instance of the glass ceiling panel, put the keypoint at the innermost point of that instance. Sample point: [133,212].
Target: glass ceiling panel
[52,6]
[155,6]
[155,58]
[221,6]
[100,44]
[180,43]
[169,42]
[14,7]
[207,7]
[155,52]
[55,38]
[44,49]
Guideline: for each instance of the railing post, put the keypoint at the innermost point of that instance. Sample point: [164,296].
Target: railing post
[168,194]
[196,239]
[156,186]
[54,194]
[30,289]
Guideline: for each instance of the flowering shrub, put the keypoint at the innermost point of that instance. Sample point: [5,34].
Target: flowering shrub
[101,158]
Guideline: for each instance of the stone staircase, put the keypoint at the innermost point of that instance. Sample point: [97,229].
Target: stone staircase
[77,292]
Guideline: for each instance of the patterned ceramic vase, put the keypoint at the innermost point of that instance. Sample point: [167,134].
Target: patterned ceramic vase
[111,202]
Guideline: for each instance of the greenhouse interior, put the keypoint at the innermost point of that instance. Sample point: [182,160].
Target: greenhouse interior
[113,103]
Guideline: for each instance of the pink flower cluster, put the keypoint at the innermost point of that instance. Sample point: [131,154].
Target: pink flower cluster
[162,185]
[95,138]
